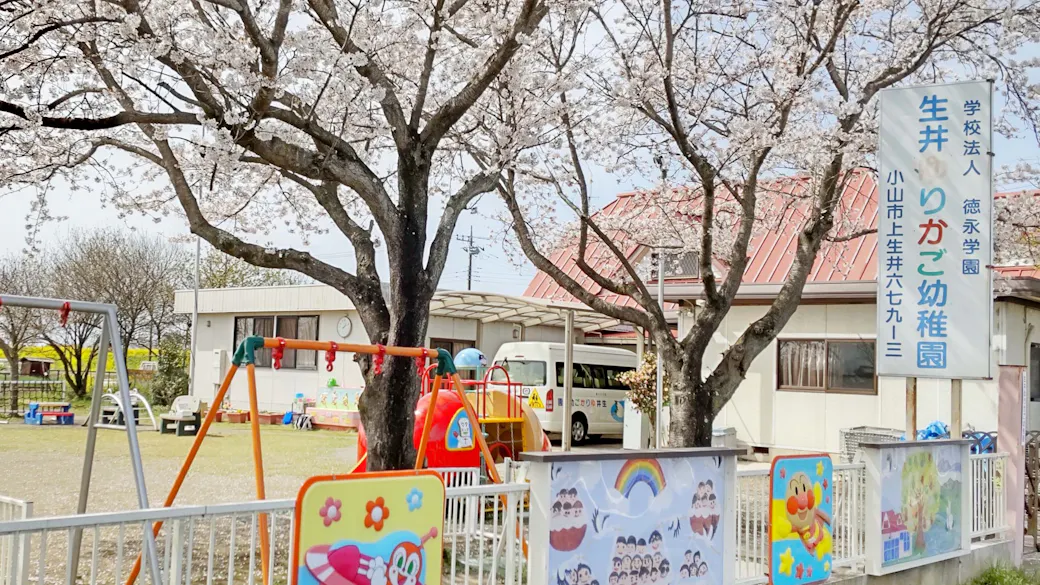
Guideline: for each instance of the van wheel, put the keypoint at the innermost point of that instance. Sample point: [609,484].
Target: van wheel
[579,429]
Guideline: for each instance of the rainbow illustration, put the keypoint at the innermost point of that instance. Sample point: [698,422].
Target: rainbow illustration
[635,471]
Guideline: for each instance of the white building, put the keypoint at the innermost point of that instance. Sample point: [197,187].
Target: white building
[818,377]
[459,320]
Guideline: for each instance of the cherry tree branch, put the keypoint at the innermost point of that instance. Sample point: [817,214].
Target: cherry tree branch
[531,13]
[102,123]
[482,182]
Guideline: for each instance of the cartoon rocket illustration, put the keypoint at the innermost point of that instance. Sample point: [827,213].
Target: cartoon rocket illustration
[348,565]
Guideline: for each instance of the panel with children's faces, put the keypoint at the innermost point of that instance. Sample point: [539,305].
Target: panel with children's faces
[637,522]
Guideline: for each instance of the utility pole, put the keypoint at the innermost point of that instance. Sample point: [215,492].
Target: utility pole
[195,320]
[472,251]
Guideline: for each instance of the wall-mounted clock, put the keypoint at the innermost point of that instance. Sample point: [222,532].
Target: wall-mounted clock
[344,327]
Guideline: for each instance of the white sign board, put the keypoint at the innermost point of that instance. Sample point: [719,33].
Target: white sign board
[935,201]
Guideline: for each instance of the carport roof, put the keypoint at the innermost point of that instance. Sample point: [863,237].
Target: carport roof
[527,311]
[482,306]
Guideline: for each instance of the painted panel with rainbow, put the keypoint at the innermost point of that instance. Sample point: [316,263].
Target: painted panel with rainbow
[636,471]
[637,521]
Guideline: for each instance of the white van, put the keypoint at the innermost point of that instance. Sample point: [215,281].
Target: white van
[598,397]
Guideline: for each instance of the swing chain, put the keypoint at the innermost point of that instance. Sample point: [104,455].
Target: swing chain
[330,355]
[64,312]
[377,361]
[277,353]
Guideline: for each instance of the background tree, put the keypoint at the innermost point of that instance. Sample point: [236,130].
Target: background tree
[19,327]
[137,273]
[721,100]
[311,113]
[220,270]
[160,317]
[75,343]
[171,379]
[642,384]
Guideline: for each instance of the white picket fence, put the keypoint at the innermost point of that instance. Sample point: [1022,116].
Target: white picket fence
[13,552]
[484,530]
[988,499]
[988,495]
[484,533]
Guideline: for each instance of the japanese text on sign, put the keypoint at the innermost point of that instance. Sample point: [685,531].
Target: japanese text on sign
[934,234]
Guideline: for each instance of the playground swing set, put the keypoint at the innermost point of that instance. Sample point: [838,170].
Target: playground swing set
[464,421]
[109,340]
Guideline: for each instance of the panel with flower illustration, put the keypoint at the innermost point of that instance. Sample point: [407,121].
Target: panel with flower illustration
[369,529]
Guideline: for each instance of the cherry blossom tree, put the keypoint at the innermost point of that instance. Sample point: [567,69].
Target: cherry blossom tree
[722,100]
[246,115]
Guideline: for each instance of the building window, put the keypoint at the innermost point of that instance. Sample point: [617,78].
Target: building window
[288,326]
[262,326]
[827,366]
[293,327]
[452,346]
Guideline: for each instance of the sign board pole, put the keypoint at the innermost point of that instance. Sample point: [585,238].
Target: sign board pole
[659,382]
[911,408]
[956,414]
[566,427]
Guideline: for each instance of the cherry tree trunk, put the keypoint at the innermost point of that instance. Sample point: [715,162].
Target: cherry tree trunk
[387,409]
[692,409]
[13,364]
[387,406]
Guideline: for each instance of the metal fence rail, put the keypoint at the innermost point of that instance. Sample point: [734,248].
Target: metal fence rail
[15,395]
[219,544]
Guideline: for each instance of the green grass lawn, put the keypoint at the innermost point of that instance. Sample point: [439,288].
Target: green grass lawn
[43,464]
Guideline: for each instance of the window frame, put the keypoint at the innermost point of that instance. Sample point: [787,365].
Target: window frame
[263,355]
[826,388]
[456,345]
[501,378]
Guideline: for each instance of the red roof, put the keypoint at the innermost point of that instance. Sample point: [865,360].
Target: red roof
[599,257]
[891,522]
[771,250]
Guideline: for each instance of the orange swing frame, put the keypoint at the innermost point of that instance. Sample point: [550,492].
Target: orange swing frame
[246,354]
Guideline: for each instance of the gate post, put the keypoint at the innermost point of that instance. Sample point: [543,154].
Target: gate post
[1012,402]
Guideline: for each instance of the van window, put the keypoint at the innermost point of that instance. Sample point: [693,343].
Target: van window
[528,373]
[612,377]
[594,376]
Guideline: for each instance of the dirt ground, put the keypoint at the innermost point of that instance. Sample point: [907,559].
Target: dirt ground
[43,464]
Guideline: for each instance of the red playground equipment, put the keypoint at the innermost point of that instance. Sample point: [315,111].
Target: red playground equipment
[507,424]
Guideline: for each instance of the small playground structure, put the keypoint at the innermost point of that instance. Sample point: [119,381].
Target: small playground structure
[508,423]
[113,415]
[40,411]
